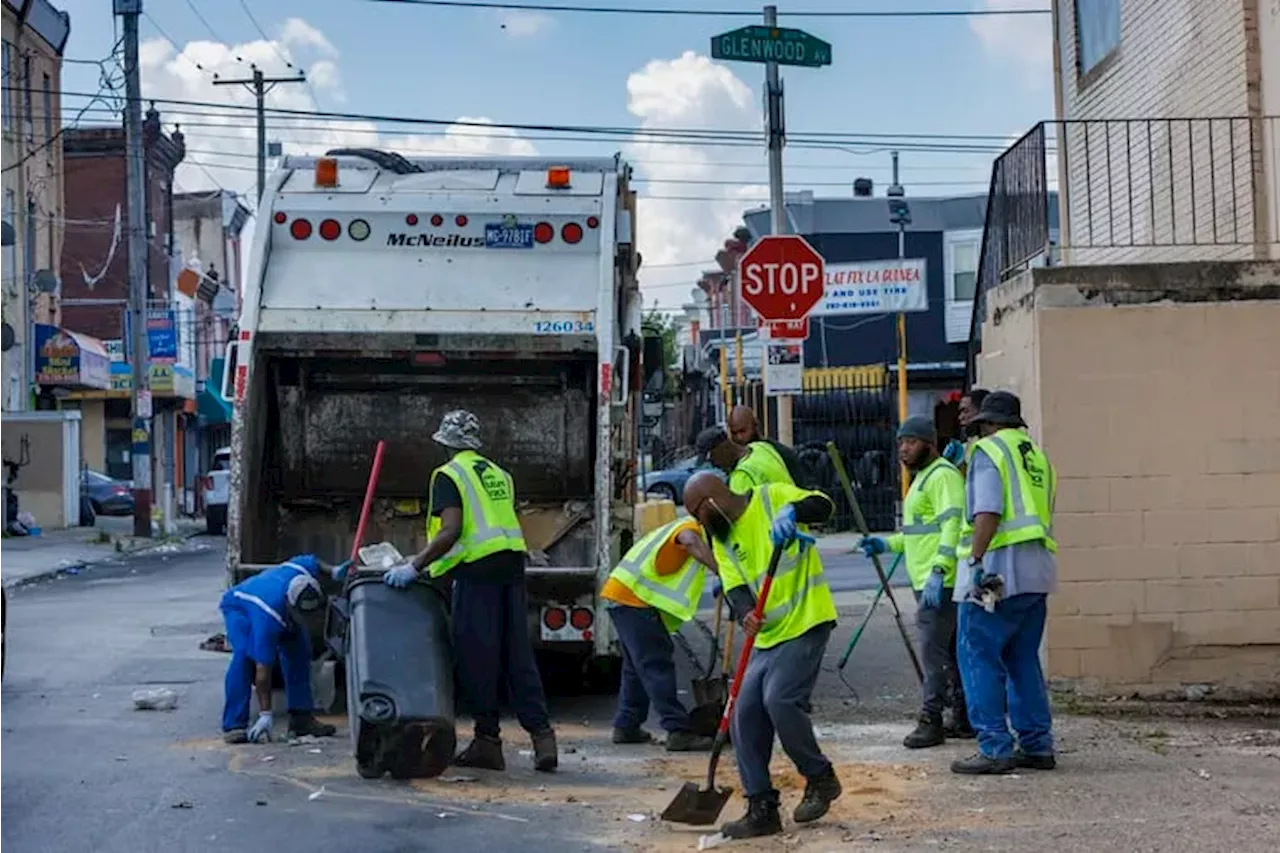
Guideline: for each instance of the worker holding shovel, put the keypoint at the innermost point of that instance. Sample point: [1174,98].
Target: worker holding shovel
[652,592]
[790,637]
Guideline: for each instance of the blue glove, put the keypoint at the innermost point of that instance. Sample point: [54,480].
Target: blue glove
[717,589]
[872,545]
[783,530]
[806,541]
[931,595]
[954,452]
[261,731]
[400,576]
[340,571]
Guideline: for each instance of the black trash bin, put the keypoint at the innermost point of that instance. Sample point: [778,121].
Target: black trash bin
[399,672]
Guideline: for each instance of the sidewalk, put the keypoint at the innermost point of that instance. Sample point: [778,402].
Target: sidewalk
[27,559]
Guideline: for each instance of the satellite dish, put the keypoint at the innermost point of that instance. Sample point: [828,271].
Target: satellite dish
[46,281]
[7,338]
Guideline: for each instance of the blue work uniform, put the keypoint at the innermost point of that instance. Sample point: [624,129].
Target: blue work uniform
[256,612]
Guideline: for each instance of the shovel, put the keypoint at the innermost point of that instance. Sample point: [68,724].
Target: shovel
[702,806]
[712,691]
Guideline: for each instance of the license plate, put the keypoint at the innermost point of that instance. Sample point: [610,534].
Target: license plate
[498,235]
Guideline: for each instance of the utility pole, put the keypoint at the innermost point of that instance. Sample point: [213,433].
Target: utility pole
[139,354]
[260,85]
[776,129]
[900,214]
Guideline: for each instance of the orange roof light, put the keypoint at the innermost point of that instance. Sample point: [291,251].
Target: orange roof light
[326,172]
[558,177]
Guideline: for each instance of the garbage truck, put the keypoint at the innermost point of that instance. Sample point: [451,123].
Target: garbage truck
[383,291]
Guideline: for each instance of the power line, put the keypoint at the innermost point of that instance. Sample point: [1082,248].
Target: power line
[265,37]
[714,13]
[208,26]
[171,40]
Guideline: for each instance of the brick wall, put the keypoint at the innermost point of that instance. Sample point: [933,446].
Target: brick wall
[1163,419]
[1142,191]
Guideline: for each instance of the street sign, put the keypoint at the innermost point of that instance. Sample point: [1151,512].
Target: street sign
[785,330]
[782,277]
[782,45]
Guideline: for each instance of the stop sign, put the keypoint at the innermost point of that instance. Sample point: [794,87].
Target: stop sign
[782,277]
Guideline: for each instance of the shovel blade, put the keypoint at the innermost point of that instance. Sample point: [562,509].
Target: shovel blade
[697,806]
[710,691]
[704,719]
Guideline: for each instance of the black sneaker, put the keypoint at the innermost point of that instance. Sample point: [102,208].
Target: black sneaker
[1045,761]
[959,729]
[981,765]
[301,725]
[688,742]
[546,755]
[762,818]
[234,736]
[484,753]
[928,732]
[632,736]
[819,793]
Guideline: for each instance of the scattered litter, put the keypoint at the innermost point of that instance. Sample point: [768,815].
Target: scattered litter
[260,803]
[570,750]
[315,751]
[96,695]
[637,818]
[571,799]
[303,739]
[1012,776]
[155,699]
[1203,774]
[443,815]
[458,778]
[74,570]
[268,758]
[122,758]
[216,643]
[315,795]
[706,842]
[526,753]
[542,787]
[182,804]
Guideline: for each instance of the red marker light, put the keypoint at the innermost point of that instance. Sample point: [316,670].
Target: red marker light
[593,221]
[554,618]
[543,232]
[437,220]
[411,219]
[300,229]
[281,217]
[330,229]
[571,233]
[461,221]
[581,618]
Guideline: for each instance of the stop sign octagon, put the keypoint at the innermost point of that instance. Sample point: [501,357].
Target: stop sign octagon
[782,277]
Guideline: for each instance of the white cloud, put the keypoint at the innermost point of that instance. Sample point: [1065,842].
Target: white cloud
[519,24]
[688,92]
[1026,40]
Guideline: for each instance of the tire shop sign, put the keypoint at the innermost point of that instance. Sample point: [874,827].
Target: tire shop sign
[875,287]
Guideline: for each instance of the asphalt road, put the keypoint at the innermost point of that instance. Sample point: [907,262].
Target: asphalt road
[84,771]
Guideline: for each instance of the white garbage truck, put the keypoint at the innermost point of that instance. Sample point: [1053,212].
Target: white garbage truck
[383,291]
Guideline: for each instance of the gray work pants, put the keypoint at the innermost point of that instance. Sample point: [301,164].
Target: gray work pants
[774,698]
[936,628]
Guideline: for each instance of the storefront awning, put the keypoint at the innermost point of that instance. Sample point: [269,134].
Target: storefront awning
[70,360]
[213,408]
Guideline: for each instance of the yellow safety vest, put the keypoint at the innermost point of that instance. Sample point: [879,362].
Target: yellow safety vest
[762,465]
[800,598]
[931,516]
[674,596]
[489,520]
[1030,489]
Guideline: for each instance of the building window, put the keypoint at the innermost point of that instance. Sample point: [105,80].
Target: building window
[960,253]
[8,82]
[964,270]
[27,126]
[1097,32]
[48,108]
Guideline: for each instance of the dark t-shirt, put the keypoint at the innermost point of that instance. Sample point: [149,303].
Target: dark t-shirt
[496,568]
[792,460]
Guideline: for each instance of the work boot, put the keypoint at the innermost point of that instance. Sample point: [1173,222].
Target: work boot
[762,818]
[546,757]
[484,753]
[819,793]
[688,742]
[235,736]
[1045,761]
[301,725]
[959,727]
[981,765]
[928,732]
[632,736]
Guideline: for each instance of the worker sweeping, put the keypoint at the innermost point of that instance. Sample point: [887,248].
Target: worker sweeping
[931,514]
[753,465]
[1003,592]
[650,594]
[273,616]
[745,430]
[475,540]
[791,638]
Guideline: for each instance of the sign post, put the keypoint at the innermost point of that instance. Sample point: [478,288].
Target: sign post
[774,46]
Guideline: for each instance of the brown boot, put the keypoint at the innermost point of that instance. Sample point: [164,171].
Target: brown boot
[546,756]
[484,753]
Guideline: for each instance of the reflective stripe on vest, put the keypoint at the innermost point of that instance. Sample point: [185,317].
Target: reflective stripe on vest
[922,539]
[1019,524]
[676,595]
[484,530]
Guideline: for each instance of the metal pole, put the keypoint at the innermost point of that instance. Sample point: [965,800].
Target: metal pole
[777,202]
[137,260]
[902,337]
[260,85]
[735,290]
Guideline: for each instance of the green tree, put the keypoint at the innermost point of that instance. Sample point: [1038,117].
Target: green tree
[657,324]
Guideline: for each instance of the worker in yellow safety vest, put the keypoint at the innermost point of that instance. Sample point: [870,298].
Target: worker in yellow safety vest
[654,590]
[790,638]
[931,517]
[748,466]
[1003,591]
[475,540]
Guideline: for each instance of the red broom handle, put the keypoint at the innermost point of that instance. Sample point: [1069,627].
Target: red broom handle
[368,499]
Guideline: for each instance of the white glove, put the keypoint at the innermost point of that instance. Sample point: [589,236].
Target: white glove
[261,731]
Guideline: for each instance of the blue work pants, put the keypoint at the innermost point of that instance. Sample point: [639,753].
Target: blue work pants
[648,670]
[295,663]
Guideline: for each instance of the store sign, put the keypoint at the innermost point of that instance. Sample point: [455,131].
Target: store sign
[67,359]
[875,287]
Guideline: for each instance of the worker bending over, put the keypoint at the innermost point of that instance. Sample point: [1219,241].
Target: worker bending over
[1011,489]
[753,465]
[791,638]
[745,430]
[931,516]
[474,538]
[273,616]
[652,592]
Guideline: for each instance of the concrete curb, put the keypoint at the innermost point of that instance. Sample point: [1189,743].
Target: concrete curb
[114,557]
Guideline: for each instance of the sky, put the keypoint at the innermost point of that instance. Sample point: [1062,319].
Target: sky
[989,78]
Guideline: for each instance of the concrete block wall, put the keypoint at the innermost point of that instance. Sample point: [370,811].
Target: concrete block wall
[1160,408]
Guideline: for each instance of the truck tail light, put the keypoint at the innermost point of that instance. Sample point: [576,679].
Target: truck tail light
[581,618]
[571,233]
[543,232]
[593,222]
[281,217]
[330,229]
[300,229]
[554,618]
[460,221]
[358,230]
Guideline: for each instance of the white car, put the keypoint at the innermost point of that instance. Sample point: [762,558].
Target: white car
[217,492]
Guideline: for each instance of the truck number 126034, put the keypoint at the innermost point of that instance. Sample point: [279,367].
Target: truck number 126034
[564,327]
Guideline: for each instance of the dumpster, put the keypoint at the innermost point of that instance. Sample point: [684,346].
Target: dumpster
[399,673]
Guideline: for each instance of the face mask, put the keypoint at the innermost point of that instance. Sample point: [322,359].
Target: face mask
[718,524]
[970,430]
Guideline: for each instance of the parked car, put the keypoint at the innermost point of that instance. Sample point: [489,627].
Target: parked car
[217,493]
[106,495]
[669,482]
